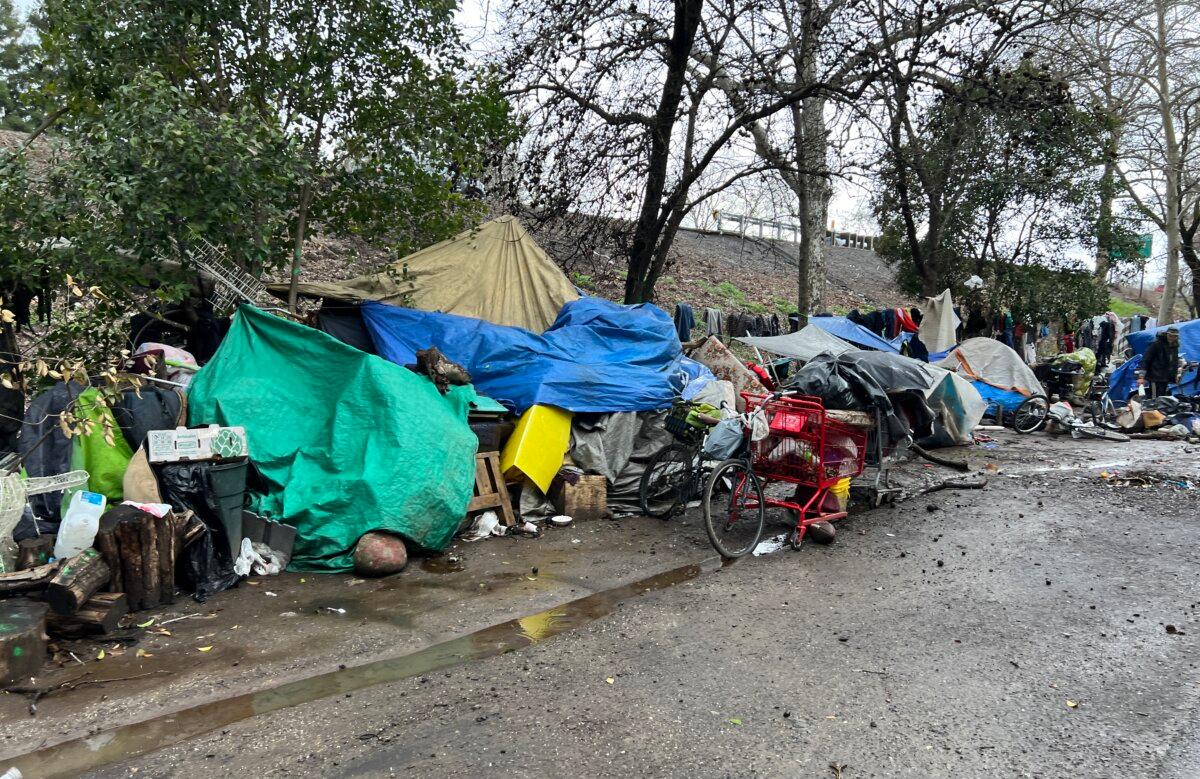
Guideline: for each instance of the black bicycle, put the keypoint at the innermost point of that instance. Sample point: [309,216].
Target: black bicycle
[676,475]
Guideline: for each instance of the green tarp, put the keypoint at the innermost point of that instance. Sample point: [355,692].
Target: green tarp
[347,442]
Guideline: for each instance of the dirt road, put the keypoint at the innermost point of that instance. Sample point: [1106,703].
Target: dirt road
[1044,626]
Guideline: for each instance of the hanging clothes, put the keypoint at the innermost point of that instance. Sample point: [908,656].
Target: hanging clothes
[684,321]
[712,321]
[889,323]
[1104,343]
[905,321]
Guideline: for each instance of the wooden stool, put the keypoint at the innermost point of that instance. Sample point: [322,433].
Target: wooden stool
[490,490]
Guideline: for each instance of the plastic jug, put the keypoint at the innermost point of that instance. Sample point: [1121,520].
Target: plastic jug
[79,525]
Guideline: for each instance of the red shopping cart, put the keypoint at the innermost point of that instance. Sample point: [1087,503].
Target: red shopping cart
[802,446]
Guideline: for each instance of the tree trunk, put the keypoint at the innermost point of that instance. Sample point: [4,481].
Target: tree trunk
[647,233]
[306,197]
[298,246]
[1108,192]
[12,401]
[1171,282]
[1192,259]
[813,193]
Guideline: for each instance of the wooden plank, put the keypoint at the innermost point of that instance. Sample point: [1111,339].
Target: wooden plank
[166,538]
[77,580]
[149,549]
[129,544]
[101,614]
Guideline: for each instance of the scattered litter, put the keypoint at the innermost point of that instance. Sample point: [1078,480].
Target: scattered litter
[288,614]
[270,594]
[611,680]
[486,524]
[147,623]
[332,609]
[100,655]
[142,653]
[1072,705]
[526,529]
[576,541]
[770,545]
[561,520]
[204,648]
[735,721]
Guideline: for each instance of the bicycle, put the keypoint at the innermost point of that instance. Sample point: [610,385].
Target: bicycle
[676,475]
[786,439]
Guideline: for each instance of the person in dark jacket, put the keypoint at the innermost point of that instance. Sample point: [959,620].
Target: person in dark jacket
[1161,362]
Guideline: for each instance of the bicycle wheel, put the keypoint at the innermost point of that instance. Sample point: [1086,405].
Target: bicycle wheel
[1103,415]
[666,482]
[1031,414]
[1103,434]
[733,508]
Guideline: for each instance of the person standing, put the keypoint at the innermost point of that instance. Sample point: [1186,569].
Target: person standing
[1161,362]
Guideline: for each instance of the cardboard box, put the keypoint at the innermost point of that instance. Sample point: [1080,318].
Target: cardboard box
[203,443]
[585,500]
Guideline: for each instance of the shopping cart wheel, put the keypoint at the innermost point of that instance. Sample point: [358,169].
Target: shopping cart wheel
[733,508]
[796,537]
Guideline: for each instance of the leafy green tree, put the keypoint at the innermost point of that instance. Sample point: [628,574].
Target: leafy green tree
[19,72]
[997,176]
[374,95]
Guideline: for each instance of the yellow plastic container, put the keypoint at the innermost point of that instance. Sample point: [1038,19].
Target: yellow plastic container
[537,445]
[841,493]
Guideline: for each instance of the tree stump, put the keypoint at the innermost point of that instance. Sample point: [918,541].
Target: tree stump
[22,640]
[77,580]
[141,550]
[101,614]
[128,535]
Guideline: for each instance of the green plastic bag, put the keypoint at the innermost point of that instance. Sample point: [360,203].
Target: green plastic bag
[346,442]
[105,464]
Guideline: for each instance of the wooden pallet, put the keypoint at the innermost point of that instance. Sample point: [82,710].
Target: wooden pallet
[490,490]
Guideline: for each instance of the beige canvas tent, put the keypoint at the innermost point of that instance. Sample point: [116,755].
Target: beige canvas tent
[495,272]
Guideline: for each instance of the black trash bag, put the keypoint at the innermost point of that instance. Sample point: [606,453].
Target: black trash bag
[208,568]
[149,408]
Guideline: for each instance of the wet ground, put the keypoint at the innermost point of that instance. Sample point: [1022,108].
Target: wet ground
[970,633]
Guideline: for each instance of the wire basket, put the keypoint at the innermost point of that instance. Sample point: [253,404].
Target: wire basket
[677,424]
[14,492]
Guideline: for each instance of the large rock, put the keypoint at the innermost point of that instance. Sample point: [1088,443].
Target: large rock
[379,554]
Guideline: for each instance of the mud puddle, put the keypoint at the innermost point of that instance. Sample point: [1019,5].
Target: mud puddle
[76,756]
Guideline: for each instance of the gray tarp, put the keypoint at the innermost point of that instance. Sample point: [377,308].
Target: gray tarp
[804,344]
[618,446]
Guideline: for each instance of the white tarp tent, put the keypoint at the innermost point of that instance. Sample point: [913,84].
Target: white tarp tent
[804,344]
[988,360]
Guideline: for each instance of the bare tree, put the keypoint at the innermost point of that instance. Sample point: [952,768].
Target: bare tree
[634,110]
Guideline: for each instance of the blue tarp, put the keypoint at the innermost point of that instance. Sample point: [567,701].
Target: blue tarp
[1123,382]
[856,334]
[597,356]
[1006,399]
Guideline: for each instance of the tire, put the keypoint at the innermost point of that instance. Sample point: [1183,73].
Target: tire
[1031,415]
[733,509]
[1100,418]
[1104,434]
[667,482]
